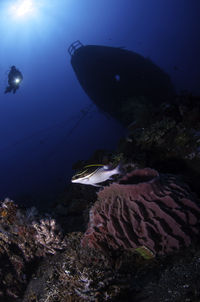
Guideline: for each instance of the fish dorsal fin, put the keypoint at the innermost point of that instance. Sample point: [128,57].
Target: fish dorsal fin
[93,165]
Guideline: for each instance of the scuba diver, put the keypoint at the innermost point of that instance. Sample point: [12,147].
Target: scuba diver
[14,79]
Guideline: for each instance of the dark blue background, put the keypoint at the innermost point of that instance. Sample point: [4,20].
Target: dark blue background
[39,140]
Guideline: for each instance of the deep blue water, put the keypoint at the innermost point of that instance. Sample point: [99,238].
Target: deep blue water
[40,133]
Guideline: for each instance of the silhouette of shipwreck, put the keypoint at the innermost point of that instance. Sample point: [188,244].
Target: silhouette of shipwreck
[117,80]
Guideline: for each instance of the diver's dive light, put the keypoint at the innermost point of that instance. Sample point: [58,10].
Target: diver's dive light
[17,80]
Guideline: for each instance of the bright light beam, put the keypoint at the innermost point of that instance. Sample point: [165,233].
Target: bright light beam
[17,81]
[22,8]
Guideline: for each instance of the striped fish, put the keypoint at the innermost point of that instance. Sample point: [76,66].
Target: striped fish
[94,174]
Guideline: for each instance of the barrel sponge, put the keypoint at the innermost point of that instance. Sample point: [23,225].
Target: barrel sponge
[144,209]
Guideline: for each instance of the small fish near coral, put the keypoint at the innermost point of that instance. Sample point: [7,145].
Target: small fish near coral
[95,174]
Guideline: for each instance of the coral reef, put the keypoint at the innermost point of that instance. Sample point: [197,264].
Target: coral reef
[79,274]
[168,141]
[145,209]
[24,238]
[170,279]
[174,138]
[73,206]
[135,239]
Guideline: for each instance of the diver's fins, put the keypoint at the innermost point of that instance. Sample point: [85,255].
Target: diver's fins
[8,89]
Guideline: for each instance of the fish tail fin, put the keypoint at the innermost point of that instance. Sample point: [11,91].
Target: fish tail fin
[119,169]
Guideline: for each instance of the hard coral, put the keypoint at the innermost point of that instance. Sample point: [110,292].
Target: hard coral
[24,237]
[79,274]
[145,209]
